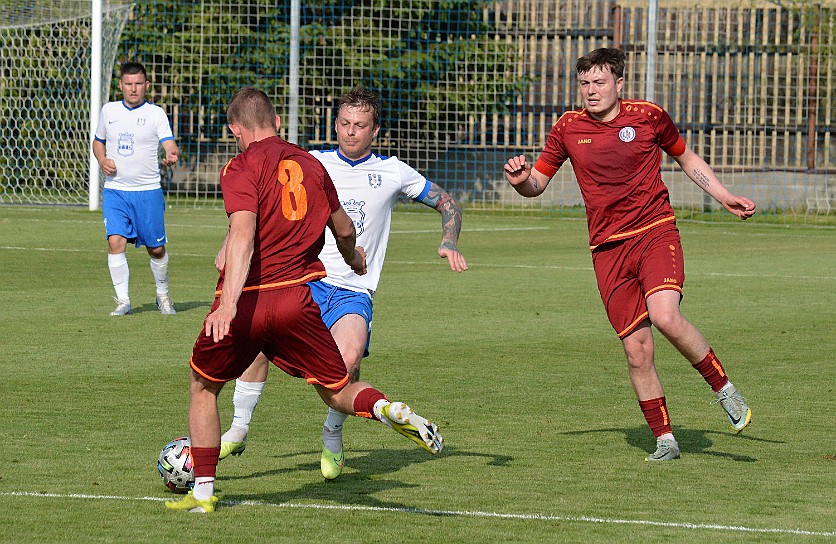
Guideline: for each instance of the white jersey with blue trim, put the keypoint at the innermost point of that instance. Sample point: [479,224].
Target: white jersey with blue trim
[132,138]
[368,190]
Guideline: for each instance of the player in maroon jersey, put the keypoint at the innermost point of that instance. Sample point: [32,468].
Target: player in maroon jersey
[279,200]
[615,148]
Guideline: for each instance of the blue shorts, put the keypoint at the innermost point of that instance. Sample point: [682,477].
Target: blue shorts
[138,216]
[335,302]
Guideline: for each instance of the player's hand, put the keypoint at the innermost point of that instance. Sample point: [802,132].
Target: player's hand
[517,170]
[170,158]
[218,322]
[456,260]
[108,167]
[740,206]
[358,264]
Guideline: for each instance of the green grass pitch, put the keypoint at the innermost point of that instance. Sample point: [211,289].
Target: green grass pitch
[514,360]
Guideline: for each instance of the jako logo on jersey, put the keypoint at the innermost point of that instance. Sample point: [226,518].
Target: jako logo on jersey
[627,134]
[125,146]
[585,141]
[354,209]
[375,180]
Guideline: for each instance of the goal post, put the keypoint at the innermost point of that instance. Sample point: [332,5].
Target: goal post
[46,97]
[95,98]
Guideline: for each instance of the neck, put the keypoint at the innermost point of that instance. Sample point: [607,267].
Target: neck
[608,115]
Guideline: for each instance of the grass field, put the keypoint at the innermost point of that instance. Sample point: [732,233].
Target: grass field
[514,360]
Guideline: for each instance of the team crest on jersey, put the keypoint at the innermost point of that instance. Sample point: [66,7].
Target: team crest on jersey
[125,146]
[375,180]
[140,121]
[627,134]
[354,209]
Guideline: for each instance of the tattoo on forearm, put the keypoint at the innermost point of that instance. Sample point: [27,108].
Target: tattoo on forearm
[451,215]
[451,219]
[700,178]
[534,183]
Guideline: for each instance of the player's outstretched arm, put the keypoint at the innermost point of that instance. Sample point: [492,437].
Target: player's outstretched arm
[239,252]
[342,227]
[702,174]
[526,180]
[451,226]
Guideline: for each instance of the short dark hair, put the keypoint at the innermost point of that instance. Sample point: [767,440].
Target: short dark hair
[132,68]
[606,57]
[360,97]
[251,108]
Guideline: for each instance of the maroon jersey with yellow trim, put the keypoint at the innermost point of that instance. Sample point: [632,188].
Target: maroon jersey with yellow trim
[293,197]
[617,165]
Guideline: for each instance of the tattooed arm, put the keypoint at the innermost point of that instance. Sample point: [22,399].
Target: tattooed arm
[702,174]
[451,225]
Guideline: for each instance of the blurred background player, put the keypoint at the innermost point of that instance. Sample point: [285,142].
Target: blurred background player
[263,303]
[615,148]
[126,145]
[368,186]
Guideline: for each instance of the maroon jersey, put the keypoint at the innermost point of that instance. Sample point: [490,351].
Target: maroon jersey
[618,167]
[293,197]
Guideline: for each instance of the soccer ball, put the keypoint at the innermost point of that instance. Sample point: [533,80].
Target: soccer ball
[175,465]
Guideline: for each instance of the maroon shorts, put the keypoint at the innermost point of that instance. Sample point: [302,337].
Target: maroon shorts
[630,270]
[286,326]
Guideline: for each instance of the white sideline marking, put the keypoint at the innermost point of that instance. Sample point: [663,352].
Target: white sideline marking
[463,513]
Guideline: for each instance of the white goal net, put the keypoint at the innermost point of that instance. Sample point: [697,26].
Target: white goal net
[45,97]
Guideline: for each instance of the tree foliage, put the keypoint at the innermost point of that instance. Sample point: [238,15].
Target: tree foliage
[434,64]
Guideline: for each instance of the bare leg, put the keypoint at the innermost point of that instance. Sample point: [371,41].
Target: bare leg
[638,346]
[204,420]
[663,310]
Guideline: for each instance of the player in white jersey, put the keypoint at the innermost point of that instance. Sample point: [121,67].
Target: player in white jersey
[368,186]
[126,145]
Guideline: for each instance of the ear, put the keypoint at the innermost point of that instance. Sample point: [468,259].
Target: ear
[278,123]
[619,84]
[235,130]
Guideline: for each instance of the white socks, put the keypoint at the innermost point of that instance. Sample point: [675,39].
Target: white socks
[159,267]
[245,398]
[204,488]
[332,436]
[334,421]
[666,436]
[725,387]
[378,406]
[119,275]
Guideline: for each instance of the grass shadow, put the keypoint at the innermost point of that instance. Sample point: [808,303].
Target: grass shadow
[359,485]
[695,441]
[178,306]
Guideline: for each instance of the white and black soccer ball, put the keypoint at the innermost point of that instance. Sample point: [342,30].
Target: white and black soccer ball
[175,465]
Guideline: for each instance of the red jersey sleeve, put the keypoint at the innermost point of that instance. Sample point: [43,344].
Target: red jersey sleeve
[239,187]
[668,136]
[554,152]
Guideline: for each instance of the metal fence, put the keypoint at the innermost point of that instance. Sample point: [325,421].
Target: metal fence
[466,84]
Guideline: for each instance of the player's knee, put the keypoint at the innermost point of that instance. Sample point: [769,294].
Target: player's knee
[157,252]
[639,351]
[353,371]
[667,322]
